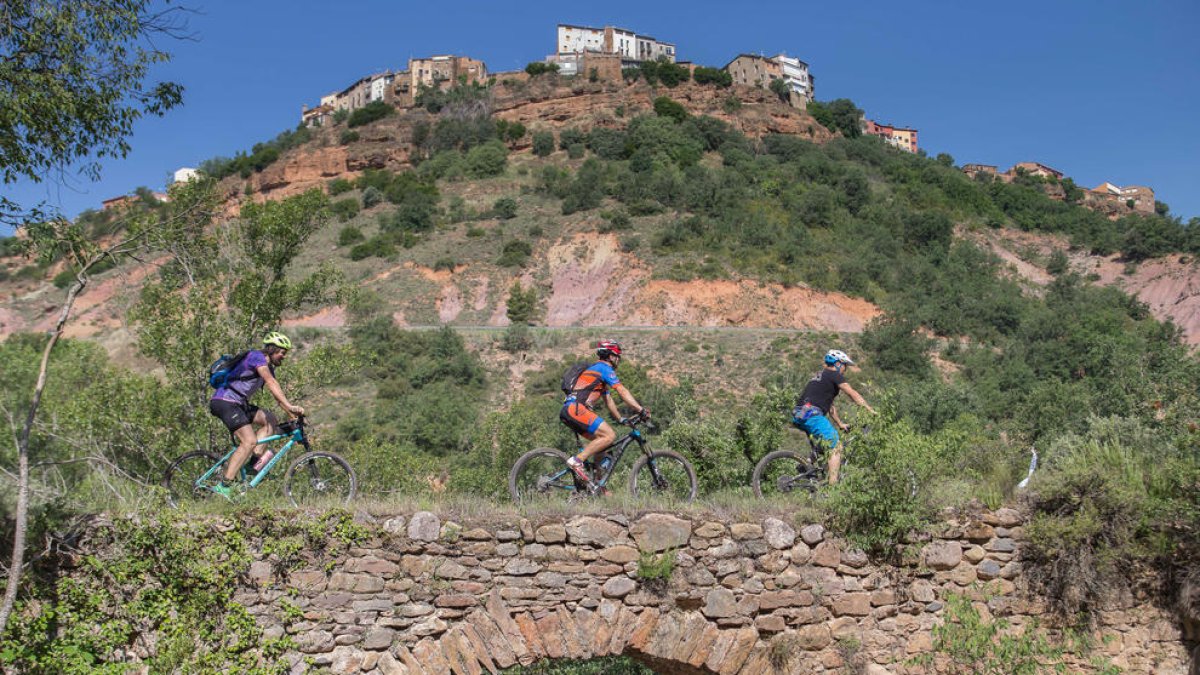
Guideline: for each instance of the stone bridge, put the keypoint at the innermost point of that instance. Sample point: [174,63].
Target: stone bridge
[434,596]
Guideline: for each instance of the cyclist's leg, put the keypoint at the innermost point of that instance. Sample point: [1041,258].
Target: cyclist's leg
[238,419]
[821,429]
[592,427]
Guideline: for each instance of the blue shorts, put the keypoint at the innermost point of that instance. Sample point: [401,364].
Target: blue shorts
[819,427]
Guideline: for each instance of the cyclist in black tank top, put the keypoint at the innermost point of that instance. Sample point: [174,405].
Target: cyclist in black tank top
[815,406]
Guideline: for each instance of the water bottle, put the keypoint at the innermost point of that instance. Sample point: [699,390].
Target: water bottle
[604,464]
[262,461]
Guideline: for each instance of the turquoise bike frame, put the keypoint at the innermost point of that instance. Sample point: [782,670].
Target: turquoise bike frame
[296,436]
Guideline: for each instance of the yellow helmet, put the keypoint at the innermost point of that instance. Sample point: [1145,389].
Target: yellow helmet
[278,339]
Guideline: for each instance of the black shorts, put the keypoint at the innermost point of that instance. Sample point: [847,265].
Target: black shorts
[234,415]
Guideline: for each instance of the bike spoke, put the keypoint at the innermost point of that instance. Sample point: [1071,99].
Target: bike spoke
[320,478]
[665,477]
[183,479]
[544,477]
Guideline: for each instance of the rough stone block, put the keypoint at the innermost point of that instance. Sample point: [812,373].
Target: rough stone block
[719,603]
[941,555]
[552,533]
[587,530]
[424,526]
[658,532]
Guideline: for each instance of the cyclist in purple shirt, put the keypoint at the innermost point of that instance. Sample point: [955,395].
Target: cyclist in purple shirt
[231,403]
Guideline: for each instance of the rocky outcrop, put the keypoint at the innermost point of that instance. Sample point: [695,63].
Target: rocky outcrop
[552,103]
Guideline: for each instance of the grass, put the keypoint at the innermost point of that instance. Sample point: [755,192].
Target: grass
[725,507]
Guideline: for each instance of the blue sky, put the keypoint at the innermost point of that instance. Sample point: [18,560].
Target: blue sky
[1100,90]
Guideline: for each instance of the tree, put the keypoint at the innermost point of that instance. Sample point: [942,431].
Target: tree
[665,107]
[522,303]
[74,77]
[838,115]
[536,68]
[77,75]
[780,88]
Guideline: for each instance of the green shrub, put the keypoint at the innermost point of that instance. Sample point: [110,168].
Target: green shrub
[375,247]
[575,151]
[666,107]
[543,143]
[64,278]
[371,196]
[344,209]
[1105,500]
[570,136]
[716,76]
[350,235]
[340,115]
[505,208]
[515,254]
[447,264]
[371,112]
[656,566]
[339,185]
[487,160]
[347,137]
[536,68]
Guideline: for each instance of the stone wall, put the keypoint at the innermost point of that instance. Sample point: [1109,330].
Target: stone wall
[427,595]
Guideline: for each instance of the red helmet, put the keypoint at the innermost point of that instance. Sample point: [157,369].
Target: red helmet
[606,347]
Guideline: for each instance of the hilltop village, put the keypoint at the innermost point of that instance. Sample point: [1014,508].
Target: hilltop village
[613,53]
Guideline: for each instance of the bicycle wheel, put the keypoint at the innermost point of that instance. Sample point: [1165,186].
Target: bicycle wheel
[663,473]
[785,472]
[542,475]
[320,477]
[182,478]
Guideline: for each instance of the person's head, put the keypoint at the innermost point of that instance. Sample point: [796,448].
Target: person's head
[609,350]
[276,346]
[836,359]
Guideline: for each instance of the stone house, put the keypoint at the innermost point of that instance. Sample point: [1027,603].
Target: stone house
[1138,198]
[117,203]
[760,71]
[1035,169]
[904,138]
[631,47]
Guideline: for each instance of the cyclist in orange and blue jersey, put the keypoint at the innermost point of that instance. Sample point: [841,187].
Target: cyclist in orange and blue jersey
[596,382]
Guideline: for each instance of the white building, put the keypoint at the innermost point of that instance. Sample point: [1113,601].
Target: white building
[796,75]
[612,40]
[184,174]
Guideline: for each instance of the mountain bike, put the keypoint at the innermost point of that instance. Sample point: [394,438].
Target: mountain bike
[542,474]
[786,471]
[314,476]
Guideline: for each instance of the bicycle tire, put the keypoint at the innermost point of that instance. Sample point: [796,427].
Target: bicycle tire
[775,469]
[337,483]
[179,479]
[681,466]
[535,476]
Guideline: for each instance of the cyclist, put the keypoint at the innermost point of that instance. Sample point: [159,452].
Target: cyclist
[595,382]
[231,403]
[815,406]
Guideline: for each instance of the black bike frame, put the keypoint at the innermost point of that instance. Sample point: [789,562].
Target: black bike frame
[617,449]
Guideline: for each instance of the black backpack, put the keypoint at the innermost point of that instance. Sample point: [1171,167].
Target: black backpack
[572,375]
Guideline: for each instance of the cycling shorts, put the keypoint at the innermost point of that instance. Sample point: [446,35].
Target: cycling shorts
[234,415]
[819,427]
[580,419]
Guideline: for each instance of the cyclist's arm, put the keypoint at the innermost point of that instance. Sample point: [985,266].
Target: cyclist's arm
[272,385]
[836,420]
[628,398]
[856,397]
[612,406]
